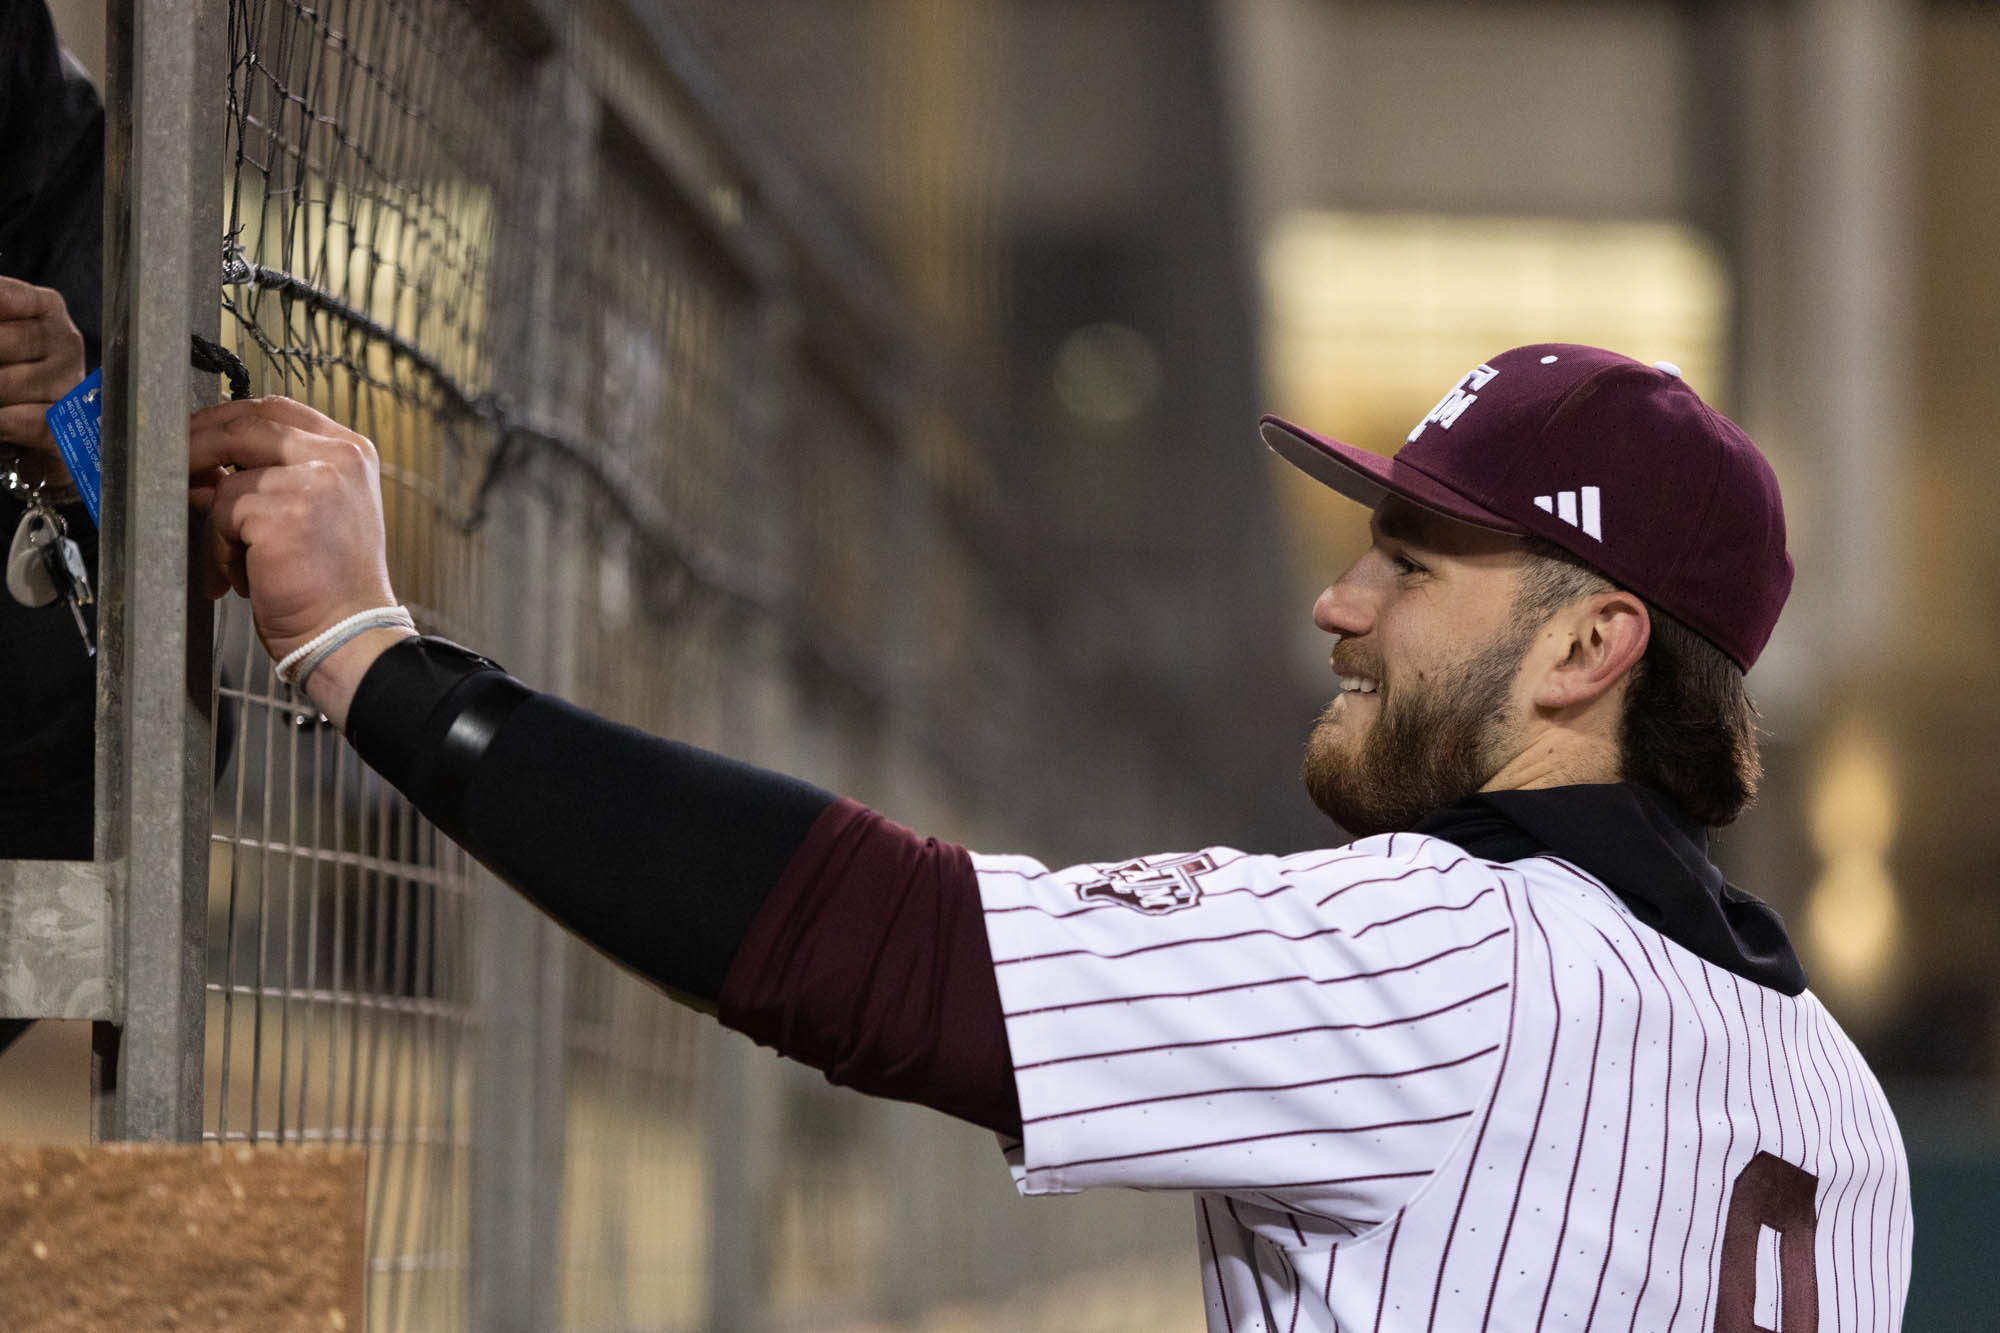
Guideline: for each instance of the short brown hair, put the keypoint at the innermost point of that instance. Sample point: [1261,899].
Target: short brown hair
[1690,730]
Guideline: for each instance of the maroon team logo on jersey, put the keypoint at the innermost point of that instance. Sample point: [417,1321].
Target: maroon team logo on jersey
[1154,885]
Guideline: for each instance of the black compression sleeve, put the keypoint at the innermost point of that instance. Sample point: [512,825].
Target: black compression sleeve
[658,853]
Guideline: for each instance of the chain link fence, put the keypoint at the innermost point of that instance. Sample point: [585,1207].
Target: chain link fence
[652,434]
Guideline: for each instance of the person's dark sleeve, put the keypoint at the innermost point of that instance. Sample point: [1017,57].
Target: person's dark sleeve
[657,853]
[820,928]
[51,169]
[51,235]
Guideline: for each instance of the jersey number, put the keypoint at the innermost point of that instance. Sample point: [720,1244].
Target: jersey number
[1773,1193]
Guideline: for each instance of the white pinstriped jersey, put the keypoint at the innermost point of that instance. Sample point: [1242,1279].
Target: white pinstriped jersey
[1416,1090]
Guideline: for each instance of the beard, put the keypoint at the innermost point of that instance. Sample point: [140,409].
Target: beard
[1434,743]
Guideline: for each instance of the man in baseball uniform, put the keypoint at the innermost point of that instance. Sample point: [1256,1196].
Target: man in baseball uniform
[1517,1057]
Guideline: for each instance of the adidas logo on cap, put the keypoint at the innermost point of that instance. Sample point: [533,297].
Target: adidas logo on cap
[1563,504]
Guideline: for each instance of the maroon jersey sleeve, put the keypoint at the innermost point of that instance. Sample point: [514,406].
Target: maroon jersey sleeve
[869,961]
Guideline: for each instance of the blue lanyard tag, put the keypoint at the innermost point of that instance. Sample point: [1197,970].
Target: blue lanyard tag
[75,422]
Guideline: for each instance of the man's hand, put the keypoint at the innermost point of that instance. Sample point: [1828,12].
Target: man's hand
[41,359]
[296,528]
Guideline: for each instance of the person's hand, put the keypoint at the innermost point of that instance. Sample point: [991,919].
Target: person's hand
[41,359]
[297,527]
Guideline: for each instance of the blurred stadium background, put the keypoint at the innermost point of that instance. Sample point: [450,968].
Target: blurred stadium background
[867,388]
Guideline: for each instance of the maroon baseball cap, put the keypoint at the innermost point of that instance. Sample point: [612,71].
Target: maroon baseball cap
[1617,462]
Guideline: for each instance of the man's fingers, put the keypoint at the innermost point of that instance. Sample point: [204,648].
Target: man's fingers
[201,489]
[23,340]
[232,500]
[248,439]
[212,554]
[280,450]
[220,568]
[287,411]
[24,424]
[33,382]
[263,432]
[24,300]
[233,503]
[297,527]
[209,565]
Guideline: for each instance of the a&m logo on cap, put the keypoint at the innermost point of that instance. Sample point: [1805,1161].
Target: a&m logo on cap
[1452,406]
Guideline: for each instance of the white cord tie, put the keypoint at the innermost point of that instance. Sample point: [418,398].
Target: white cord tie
[303,660]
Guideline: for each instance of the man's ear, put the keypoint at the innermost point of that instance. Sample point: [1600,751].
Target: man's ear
[1606,635]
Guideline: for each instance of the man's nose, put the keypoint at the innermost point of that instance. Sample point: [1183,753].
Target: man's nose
[1341,609]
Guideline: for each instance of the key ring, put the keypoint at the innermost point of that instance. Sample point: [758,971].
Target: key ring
[19,487]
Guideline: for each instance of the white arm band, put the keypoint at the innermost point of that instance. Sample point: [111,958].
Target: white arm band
[304,659]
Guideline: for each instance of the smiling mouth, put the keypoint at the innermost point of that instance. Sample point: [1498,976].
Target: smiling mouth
[1358,685]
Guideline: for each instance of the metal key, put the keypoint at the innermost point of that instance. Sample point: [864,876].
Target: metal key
[44,565]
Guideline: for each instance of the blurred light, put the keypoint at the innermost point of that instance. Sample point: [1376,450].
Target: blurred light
[1106,373]
[1854,802]
[1851,919]
[1852,913]
[1372,316]
[727,201]
[614,585]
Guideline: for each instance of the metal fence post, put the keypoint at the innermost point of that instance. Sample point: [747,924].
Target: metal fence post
[154,705]
[522,958]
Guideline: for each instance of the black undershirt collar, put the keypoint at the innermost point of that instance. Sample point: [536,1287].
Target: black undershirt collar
[1651,855]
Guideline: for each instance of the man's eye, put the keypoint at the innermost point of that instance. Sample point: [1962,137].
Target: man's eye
[1404,565]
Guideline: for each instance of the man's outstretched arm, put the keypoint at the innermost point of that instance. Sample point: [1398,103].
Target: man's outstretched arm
[811,923]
